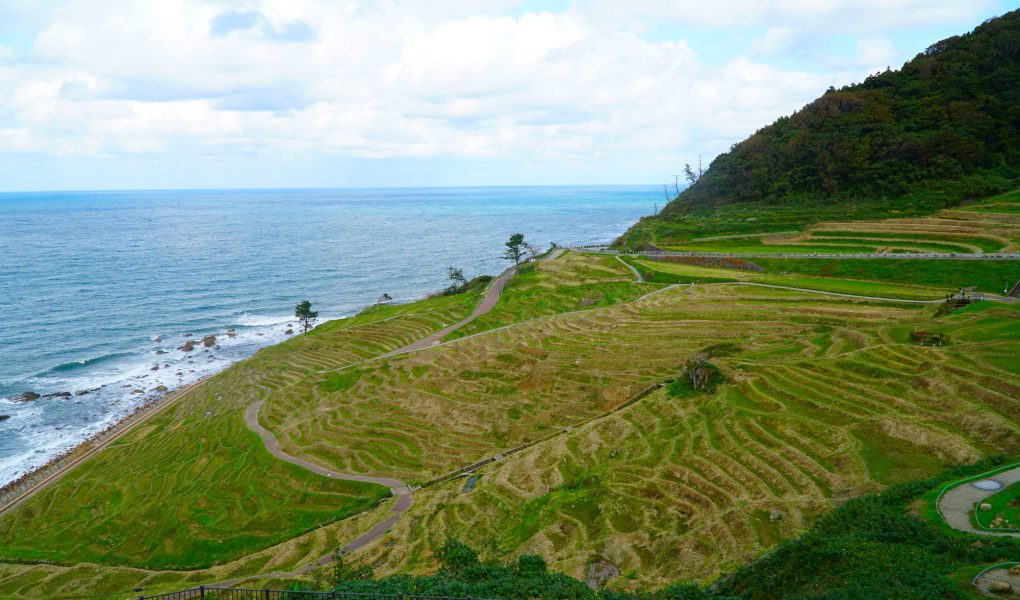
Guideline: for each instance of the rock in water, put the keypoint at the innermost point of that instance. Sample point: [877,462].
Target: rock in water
[160,388]
[188,346]
[29,396]
[209,341]
[4,418]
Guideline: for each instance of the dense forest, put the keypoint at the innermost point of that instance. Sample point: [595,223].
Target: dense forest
[944,128]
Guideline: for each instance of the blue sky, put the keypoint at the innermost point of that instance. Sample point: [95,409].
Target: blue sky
[323,93]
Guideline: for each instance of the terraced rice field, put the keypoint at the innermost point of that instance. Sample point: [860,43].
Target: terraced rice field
[882,289]
[824,398]
[991,226]
[196,481]
[828,402]
[571,282]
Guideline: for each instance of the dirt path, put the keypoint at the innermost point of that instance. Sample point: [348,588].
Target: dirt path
[957,505]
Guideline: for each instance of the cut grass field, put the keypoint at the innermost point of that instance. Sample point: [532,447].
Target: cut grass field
[689,273]
[571,282]
[825,403]
[200,484]
[908,279]
[993,225]
[824,398]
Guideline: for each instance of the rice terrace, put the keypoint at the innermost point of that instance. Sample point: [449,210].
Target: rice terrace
[799,379]
[831,401]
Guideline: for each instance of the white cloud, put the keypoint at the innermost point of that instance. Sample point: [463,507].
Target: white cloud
[295,78]
[843,16]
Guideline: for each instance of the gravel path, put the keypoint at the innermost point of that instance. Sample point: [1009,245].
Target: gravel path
[957,504]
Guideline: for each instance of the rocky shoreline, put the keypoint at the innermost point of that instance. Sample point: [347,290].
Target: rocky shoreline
[15,490]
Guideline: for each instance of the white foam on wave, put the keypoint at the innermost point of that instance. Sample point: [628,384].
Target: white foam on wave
[40,430]
[250,320]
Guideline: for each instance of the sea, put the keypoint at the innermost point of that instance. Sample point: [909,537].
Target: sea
[100,290]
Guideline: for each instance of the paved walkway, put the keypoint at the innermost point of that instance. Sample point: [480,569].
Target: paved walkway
[637,275]
[490,299]
[957,505]
[401,491]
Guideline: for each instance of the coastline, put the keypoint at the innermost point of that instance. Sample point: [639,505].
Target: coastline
[16,492]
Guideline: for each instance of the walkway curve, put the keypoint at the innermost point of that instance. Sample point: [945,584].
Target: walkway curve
[400,490]
[637,275]
[956,505]
[492,294]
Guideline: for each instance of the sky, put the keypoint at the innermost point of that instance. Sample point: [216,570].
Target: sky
[137,94]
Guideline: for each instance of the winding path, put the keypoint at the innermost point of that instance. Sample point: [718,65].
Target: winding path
[957,504]
[400,490]
[492,294]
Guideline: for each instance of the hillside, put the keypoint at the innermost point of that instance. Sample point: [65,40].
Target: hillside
[943,129]
[819,398]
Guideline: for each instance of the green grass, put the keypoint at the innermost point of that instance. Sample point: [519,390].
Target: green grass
[196,480]
[989,225]
[822,399]
[693,274]
[1005,511]
[986,244]
[572,282]
[944,274]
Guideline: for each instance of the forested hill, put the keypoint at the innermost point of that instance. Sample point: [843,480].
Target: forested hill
[943,128]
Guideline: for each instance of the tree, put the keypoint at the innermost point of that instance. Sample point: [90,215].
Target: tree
[303,311]
[689,174]
[533,250]
[515,248]
[456,276]
[384,299]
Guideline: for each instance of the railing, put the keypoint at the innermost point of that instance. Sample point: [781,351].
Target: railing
[217,593]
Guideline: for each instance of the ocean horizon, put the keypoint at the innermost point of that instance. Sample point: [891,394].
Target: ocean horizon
[101,289]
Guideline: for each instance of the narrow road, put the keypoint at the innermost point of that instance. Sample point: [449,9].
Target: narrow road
[637,275]
[490,299]
[400,490]
[958,504]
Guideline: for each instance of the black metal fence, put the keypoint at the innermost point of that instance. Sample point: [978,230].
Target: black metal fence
[215,593]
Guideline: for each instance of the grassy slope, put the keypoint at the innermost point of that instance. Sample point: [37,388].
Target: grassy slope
[571,282]
[824,402]
[905,278]
[990,224]
[197,480]
[825,399]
